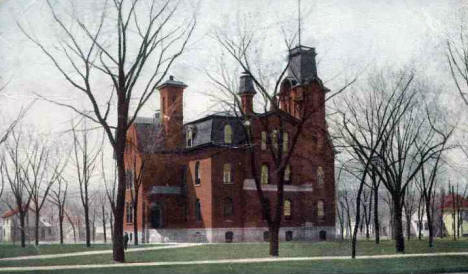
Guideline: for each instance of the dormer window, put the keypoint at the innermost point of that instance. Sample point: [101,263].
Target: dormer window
[227,134]
[189,135]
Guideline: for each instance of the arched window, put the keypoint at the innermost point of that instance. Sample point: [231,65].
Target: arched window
[320,176]
[287,174]
[227,174]
[287,209]
[198,216]
[285,141]
[320,209]
[227,134]
[264,140]
[197,173]
[265,175]
[228,207]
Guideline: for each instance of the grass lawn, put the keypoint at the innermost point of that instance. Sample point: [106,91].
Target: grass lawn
[400,265]
[10,250]
[252,250]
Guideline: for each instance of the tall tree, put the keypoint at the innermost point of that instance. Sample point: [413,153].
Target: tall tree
[14,167]
[58,197]
[132,44]
[85,160]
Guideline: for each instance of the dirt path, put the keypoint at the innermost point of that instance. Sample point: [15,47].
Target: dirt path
[230,261]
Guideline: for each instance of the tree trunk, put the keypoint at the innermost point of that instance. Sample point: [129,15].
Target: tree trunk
[376,215]
[420,224]
[118,244]
[22,228]
[135,219]
[36,228]
[61,226]
[111,222]
[358,217]
[398,224]
[274,240]
[104,223]
[143,223]
[429,222]
[87,226]
[408,226]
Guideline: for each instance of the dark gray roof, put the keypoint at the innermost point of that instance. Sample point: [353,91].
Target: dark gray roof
[150,137]
[172,82]
[210,130]
[246,84]
[302,64]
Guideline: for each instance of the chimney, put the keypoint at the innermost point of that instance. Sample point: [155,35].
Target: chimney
[302,66]
[246,92]
[172,113]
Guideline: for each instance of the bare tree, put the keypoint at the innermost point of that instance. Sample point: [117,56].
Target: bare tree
[141,32]
[85,157]
[410,201]
[58,197]
[364,125]
[38,183]
[14,168]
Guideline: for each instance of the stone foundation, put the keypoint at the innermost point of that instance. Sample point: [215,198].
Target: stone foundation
[247,234]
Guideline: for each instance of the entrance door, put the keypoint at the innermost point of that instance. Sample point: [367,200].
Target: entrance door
[156,216]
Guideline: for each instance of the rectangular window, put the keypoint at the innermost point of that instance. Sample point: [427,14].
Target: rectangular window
[287,174]
[274,139]
[264,140]
[129,213]
[197,173]
[285,141]
[227,174]
[287,209]
[264,175]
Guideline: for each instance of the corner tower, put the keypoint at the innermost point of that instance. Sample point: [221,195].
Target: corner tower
[246,92]
[172,112]
[302,90]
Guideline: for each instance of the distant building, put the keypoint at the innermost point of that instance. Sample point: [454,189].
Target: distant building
[197,184]
[455,215]
[12,229]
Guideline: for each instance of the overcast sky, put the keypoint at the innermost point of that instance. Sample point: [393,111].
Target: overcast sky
[349,36]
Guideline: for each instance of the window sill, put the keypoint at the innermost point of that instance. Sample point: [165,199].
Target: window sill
[231,183]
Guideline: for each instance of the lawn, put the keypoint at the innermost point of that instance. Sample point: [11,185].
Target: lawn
[400,265]
[10,250]
[252,250]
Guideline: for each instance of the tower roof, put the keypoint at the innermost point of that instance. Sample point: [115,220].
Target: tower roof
[246,85]
[302,65]
[173,83]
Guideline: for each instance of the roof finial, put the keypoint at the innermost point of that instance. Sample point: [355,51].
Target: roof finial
[299,20]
